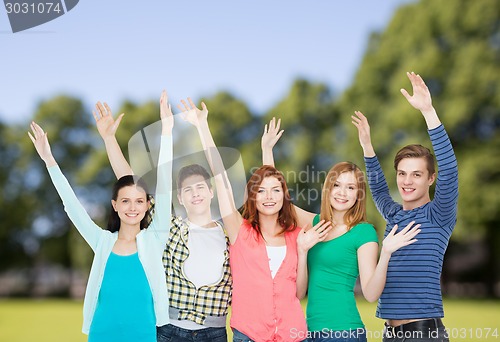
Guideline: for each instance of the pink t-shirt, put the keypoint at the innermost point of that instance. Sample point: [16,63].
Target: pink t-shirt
[265,308]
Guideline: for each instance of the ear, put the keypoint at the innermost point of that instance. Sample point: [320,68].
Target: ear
[432,178]
[211,192]
[113,203]
[179,198]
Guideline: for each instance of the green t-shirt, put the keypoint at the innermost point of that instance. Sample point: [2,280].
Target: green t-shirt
[333,270]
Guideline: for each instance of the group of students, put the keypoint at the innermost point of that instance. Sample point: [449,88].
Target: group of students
[161,277]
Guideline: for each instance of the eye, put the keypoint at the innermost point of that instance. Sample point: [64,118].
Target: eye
[125,201]
[187,189]
[277,190]
[260,191]
[417,175]
[352,188]
[336,185]
[400,173]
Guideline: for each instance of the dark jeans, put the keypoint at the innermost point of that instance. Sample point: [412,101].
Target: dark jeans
[240,337]
[171,333]
[353,335]
[429,330]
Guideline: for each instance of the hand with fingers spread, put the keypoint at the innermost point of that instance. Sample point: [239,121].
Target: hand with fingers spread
[421,100]
[308,237]
[405,237]
[166,115]
[103,116]
[361,123]
[41,142]
[271,134]
[193,114]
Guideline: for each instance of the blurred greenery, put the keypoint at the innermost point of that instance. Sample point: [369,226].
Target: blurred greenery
[454,45]
[61,320]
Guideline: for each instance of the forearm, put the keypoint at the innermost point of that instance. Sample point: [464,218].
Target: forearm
[163,196]
[116,158]
[373,287]
[302,275]
[368,151]
[431,118]
[267,156]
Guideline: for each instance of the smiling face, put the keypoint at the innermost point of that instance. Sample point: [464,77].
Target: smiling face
[413,182]
[195,195]
[344,192]
[269,196]
[131,205]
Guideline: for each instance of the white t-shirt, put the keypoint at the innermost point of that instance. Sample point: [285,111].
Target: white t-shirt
[205,263]
[276,255]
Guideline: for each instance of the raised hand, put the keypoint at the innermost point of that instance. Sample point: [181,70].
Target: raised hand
[41,142]
[103,116]
[166,115]
[193,114]
[421,98]
[361,123]
[271,134]
[405,237]
[307,238]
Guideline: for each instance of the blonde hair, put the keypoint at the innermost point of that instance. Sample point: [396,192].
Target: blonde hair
[357,213]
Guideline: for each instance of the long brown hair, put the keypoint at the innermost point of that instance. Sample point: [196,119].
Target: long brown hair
[357,213]
[286,217]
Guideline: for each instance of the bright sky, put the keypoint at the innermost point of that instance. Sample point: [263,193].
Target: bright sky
[114,50]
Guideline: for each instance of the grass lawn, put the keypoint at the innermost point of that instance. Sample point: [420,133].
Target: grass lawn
[61,320]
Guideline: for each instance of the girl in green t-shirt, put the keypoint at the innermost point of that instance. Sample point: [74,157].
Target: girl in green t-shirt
[329,264]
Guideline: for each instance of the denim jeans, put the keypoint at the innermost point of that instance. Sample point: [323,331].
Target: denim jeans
[353,335]
[240,337]
[429,330]
[171,333]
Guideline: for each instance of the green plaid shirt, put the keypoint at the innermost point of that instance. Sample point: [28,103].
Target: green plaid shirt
[193,304]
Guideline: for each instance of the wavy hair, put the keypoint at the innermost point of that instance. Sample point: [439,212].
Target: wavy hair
[287,217]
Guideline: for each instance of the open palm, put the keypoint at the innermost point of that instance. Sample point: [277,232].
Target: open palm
[193,114]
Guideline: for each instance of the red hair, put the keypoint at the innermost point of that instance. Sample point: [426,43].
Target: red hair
[286,217]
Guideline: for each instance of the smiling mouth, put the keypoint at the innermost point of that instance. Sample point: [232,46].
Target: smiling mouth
[408,190]
[195,202]
[341,200]
[131,215]
[269,204]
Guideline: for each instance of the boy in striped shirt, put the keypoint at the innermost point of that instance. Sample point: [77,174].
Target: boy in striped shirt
[411,302]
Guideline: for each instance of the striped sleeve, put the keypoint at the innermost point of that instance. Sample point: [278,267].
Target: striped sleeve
[443,210]
[379,189]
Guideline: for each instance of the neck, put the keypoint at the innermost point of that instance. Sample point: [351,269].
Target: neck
[202,220]
[338,217]
[269,225]
[128,232]
[415,204]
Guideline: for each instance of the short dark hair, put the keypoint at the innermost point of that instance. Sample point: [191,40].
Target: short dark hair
[129,180]
[193,170]
[416,151]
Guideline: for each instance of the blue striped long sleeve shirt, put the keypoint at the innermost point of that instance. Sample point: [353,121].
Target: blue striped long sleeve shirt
[413,288]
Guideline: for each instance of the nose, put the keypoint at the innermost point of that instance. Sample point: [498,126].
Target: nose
[407,179]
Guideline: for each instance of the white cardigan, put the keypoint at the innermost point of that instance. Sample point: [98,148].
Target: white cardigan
[150,242]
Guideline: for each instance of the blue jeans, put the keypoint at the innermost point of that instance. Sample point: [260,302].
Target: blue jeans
[352,335]
[240,337]
[171,333]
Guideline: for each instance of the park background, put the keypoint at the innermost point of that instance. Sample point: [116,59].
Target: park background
[312,64]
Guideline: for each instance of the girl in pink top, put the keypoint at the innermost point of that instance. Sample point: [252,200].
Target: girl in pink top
[263,251]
